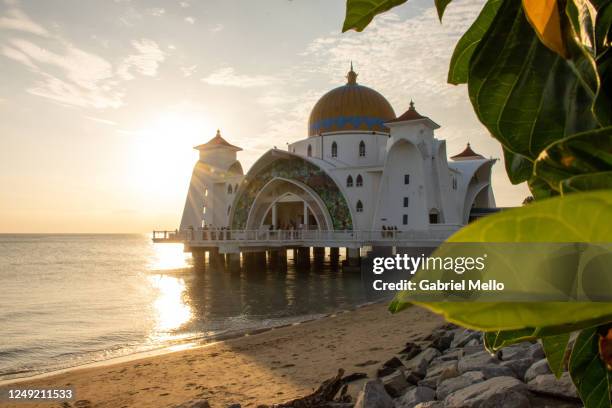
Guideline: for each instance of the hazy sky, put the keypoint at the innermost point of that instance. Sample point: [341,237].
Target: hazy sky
[102,101]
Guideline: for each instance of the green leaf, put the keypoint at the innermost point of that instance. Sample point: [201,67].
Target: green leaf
[525,94]
[589,372]
[587,182]
[518,167]
[554,348]
[460,61]
[359,13]
[580,154]
[494,341]
[441,6]
[580,217]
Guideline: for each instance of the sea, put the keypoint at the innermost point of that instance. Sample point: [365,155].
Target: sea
[70,299]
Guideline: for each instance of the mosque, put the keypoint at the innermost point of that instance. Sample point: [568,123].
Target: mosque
[361,168]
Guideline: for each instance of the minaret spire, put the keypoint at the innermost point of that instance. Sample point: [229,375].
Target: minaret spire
[351,76]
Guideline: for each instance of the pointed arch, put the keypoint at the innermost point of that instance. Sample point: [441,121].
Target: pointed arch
[309,151]
[359,206]
[334,149]
[230,189]
[362,149]
[359,181]
[349,181]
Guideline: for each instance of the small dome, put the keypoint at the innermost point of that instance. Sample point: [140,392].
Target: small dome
[350,107]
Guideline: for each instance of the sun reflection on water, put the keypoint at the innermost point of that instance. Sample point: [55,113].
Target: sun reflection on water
[168,256]
[170,306]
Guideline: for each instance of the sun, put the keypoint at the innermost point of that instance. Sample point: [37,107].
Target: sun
[162,152]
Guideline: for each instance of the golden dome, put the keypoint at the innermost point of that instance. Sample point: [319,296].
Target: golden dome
[350,107]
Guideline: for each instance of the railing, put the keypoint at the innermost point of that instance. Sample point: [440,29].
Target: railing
[223,236]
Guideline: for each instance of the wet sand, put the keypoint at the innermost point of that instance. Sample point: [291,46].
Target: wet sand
[269,367]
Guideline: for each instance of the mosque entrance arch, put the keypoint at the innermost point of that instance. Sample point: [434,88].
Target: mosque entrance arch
[287,204]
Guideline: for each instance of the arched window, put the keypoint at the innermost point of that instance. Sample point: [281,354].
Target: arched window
[229,208]
[349,181]
[359,181]
[359,206]
[309,151]
[362,149]
[236,188]
[230,190]
[334,149]
[454,183]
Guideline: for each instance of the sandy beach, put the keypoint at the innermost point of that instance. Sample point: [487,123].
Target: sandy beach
[269,367]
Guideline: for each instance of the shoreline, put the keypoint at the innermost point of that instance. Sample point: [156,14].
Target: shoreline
[266,367]
[181,345]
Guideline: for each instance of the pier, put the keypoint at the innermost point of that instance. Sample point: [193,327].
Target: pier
[259,247]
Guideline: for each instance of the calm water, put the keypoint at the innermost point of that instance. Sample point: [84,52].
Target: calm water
[66,300]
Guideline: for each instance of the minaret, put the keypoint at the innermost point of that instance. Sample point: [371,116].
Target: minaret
[214,181]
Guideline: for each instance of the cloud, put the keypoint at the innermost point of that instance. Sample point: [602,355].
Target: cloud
[228,77]
[190,20]
[157,11]
[70,75]
[184,4]
[188,71]
[401,57]
[145,62]
[17,20]
[87,78]
[216,28]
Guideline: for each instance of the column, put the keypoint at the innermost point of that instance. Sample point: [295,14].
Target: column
[274,223]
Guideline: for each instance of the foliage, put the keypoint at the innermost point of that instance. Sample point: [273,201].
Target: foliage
[539,78]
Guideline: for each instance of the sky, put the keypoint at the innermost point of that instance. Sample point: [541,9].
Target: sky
[102,101]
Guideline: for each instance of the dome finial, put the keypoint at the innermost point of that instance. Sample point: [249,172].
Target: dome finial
[218,133]
[411,105]
[351,76]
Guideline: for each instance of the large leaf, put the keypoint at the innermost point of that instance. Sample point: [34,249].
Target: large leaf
[525,94]
[359,13]
[580,154]
[518,167]
[587,182]
[581,217]
[544,17]
[441,6]
[554,348]
[589,372]
[494,341]
[460,61]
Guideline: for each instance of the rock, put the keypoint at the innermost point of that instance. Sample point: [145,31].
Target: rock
[548,384]
[373,395]
[449,355]
[443,341]
[414,396]
[435,372]
[430,404]
[536,351]
[476,362]
[519,366]
[450,385]
[419,364]
[473,343]
[414,378]
[199,403]
[517,351]
[511,399]
[462,337]
[467,350]
[477,394]
[537,368]
[410,351]
[498,371]
[234,406]
[395,384]
[389,367]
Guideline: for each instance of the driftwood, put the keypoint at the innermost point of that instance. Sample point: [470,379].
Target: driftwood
[324,396]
